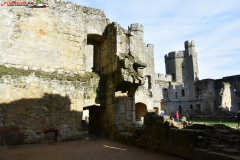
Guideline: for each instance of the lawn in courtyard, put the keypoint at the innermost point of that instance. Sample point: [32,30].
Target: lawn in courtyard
[227,123]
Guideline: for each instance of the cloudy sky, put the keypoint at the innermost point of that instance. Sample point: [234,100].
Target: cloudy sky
[214,26]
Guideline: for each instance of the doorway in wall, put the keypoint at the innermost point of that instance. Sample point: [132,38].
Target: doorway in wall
[198,108]
[162,105]
[141,110]
[180,109]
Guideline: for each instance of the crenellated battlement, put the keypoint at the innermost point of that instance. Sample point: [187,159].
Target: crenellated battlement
[163,77]
[189,50]
[151,46]
[136,27]
[174,54]
[188,44]
[150,49]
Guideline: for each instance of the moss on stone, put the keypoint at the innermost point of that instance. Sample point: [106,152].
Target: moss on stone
[54,75]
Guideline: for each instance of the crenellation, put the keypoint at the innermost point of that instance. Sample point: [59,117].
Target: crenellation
[180,54]
[151,46]
[136,27]
[189,45]
[163,77]
[170,55]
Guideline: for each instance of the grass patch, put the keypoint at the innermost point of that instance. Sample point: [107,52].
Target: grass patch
[227,123]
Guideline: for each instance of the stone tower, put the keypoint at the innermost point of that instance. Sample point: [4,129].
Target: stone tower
[183,66]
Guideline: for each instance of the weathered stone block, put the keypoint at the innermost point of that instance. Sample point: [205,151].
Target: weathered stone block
[159,120]
[184,151]
[159,133]
[138,132]
[153,144]
[121,137]
[184,137]
[148,118]
[142,142]
[131,140]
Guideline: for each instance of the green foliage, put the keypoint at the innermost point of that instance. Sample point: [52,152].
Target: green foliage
[38,1]
[21,72]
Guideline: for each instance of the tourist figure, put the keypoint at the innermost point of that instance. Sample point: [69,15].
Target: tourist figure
[162,114]
[238,116]
[176,116]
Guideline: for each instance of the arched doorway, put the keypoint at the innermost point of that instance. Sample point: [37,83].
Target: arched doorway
[162,105]
[198,107]
[141,110]
[180,109]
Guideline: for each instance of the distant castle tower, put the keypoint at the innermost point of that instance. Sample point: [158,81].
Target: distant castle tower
[183,65]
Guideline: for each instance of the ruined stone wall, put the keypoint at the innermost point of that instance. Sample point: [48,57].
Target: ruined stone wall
[66,38]
[213,94]
[194,142]
[50,39]
[161,85]
[144,93]
[37,104]
[227,92]
[206,96]
[145,96]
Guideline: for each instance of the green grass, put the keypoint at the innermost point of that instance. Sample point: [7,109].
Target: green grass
[227,123]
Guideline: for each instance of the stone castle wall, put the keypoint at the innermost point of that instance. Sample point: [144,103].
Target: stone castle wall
[218,93]
[37,105]
[50,39]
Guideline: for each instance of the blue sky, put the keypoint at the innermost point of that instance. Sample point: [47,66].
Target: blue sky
[214,26]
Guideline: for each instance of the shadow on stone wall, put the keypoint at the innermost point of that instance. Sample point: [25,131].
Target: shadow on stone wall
[30,120]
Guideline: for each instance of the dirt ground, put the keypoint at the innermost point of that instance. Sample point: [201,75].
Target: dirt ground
[90,148]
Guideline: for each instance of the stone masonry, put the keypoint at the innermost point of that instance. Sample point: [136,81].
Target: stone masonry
[58,61]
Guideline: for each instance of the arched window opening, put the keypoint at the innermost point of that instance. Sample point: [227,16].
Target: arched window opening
[183,93]
[147,82]
[198,107]
[191,106]
[173,77]
[180,109]
[162,105]
[141,110]
[165,93]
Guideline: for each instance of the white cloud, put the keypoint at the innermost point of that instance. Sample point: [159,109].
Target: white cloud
[213,25]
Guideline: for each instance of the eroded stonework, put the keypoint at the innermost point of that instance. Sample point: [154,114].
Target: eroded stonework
[67,58]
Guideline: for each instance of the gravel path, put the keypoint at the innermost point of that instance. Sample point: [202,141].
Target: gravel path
[90,148]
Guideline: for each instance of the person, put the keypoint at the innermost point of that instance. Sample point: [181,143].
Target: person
[162,114]
[176,116]
[238,116]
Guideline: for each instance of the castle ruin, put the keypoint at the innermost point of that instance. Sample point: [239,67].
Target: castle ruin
[66,58]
